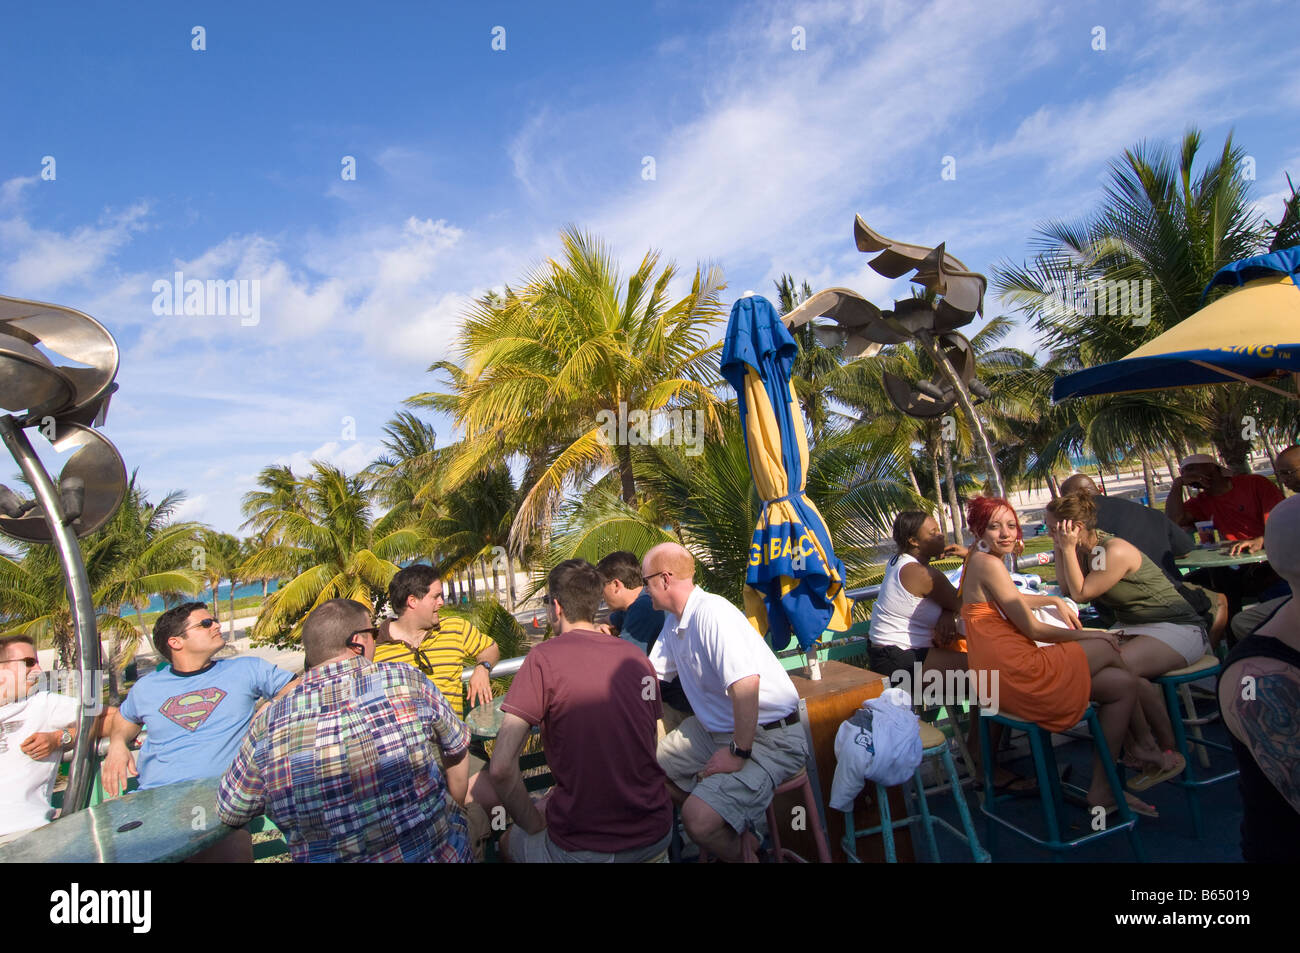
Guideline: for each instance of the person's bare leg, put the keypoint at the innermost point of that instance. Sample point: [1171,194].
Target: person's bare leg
[1114,688]
[1149,658]
[707,828]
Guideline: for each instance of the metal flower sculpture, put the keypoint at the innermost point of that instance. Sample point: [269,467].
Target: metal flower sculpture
[65,402]
[955,294]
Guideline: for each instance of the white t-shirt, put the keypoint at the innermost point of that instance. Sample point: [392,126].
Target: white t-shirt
[26,785]
[712,647]
[899,618]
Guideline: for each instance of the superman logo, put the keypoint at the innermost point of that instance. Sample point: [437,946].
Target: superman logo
[192,709]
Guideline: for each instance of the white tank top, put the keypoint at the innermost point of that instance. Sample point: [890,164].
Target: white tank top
[898,617]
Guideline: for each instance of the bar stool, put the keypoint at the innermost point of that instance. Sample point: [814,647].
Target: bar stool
[1207,666]
[933,745]
[801,784]
[1050,787]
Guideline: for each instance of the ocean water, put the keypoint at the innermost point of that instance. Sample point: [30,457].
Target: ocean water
[156,604]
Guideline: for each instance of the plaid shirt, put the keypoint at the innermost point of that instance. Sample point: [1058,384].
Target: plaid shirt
[347,767]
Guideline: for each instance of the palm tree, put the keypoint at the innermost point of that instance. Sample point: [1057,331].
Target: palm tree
[539,366]
[221,558]
[329,545]
[1168,227]
[139,553]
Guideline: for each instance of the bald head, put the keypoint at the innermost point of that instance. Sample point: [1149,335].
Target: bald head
[1282,540]
[1079,483]
[327,630]
[1288,467]
[669,557]
[670,572]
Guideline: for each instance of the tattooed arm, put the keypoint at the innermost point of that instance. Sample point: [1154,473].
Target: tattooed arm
[1261,708]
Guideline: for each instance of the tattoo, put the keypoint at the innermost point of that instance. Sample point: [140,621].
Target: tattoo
[1271,723]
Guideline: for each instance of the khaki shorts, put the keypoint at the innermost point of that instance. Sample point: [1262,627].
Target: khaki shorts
[739,798]
[538,848]
[1187,640]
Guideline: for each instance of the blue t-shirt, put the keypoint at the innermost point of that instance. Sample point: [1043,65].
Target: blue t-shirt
[640,623]
[196,721]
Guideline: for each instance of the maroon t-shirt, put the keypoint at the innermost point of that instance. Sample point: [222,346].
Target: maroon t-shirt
[589,692]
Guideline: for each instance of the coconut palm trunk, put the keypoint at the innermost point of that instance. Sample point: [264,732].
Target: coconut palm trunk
[938,493]
[968,407]
[510,582]
[957,520]
[1052,486]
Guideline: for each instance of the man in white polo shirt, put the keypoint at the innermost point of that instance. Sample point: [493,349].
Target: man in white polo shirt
[724,762]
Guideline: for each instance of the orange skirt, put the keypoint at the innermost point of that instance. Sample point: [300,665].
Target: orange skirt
[1048,686]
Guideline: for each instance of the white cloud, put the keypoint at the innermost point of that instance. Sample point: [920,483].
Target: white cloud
[349,456]
[11,190]
[44,260]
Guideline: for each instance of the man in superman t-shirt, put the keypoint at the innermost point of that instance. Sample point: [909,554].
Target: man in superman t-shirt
[197,709]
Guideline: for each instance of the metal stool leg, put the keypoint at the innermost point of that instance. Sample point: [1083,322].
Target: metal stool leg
[926,822]
[1112,778]
[886,825]
[1202,754]
[978,853]
[1180,737]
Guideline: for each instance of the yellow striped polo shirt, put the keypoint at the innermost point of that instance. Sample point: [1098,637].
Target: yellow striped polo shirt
[442,656]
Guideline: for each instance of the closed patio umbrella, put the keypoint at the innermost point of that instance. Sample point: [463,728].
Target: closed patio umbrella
[795,583]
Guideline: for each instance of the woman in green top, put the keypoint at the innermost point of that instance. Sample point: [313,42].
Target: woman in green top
[1159,631]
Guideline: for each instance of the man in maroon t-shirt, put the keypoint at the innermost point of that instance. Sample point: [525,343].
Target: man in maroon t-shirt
[597,700]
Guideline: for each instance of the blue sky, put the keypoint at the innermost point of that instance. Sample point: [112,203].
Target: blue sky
[225,164]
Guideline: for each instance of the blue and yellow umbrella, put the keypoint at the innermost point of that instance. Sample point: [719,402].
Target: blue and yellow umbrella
[794,582]
[1250,334]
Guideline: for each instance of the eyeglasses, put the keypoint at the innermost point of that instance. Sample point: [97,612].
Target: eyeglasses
[645,580]
[29,662]
[351,643]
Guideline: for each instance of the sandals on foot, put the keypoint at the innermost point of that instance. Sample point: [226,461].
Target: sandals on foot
[1151,777]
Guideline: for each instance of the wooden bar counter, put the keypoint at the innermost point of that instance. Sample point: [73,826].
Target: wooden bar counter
[830,701]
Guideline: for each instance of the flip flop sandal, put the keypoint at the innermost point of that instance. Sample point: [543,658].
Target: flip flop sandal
[1027,787]
[1150,778]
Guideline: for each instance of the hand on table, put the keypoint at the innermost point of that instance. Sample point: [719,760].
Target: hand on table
[42,744]
[1246,546]
[480,687]
[118,767]
[722,762]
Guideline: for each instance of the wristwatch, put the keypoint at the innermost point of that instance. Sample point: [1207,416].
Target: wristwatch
[66,738]
[741,753]
[488,666]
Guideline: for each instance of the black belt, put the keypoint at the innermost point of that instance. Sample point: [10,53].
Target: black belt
[786,722]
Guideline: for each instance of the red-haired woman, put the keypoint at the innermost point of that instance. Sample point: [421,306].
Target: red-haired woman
[1050,685]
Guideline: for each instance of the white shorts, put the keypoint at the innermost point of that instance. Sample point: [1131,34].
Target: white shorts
[1187,640]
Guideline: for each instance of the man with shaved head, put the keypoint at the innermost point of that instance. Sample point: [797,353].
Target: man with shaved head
[1150,530]
[724,762]
[1259,695]
[1288,467]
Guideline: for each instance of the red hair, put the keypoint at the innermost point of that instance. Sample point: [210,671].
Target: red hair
[981,510]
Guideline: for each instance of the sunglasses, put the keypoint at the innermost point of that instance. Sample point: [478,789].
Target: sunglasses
[351,643]
[204,624]
[29,662]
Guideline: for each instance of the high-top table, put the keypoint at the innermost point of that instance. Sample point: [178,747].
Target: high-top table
[829,701]
[161,825]
[1216,555]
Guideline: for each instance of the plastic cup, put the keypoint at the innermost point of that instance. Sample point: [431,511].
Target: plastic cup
[1205,532]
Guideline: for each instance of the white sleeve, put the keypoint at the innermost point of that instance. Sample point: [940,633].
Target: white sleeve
[62,711]
[661,658]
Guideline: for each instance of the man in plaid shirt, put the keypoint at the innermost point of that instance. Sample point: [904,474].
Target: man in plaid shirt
[348,764]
